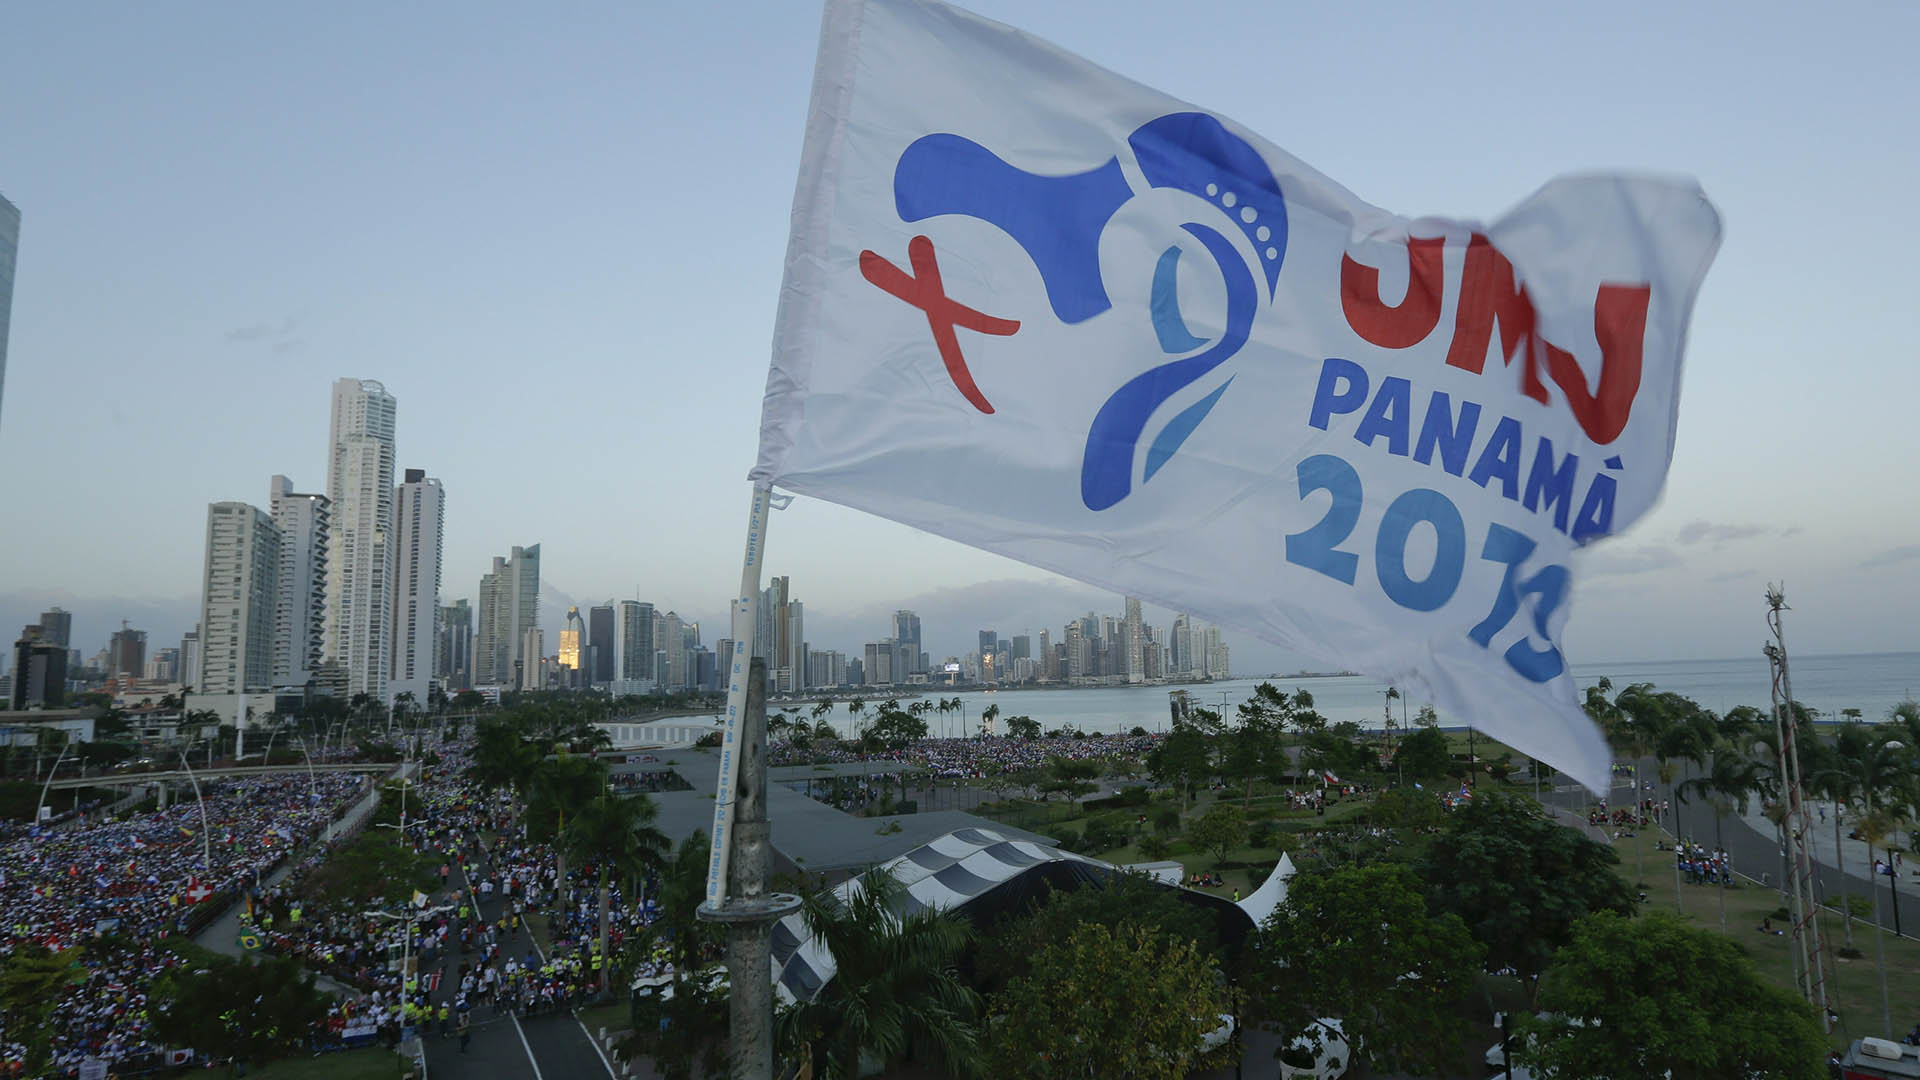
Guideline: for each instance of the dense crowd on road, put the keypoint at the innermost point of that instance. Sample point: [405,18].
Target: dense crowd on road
[124,886]
[972,759]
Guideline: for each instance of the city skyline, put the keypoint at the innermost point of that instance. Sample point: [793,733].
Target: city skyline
[391,280]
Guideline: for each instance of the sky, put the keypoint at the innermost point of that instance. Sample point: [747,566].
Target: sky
[555,233]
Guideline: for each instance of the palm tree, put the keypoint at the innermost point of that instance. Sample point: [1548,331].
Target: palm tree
[987,716]
[502,758]
[855,707]
[559,789]
[1839,779]
[1729,782]
[615,832]
[1873,829]
[1627,739]
[894,987]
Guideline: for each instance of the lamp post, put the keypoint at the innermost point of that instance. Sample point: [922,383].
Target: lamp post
[206,829]
[48,786]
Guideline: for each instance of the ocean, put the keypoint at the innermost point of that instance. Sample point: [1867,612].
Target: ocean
[1872,683]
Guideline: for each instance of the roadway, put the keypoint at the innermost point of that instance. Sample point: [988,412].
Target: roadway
[105,780]
[1756,854]
[504,1046]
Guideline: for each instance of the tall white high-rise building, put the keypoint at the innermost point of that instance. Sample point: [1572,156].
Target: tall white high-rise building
[670,645]
[360,562]
[9,249]
[300,609]
[533,659]
[633,642]
[509,607]
[239,592]
[419,512]
[795,661]
[1136,671]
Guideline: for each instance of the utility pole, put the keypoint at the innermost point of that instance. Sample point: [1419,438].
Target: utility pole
[1804,909]
[749,911]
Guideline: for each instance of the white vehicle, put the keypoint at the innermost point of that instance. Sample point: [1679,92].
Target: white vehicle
[1318,1053]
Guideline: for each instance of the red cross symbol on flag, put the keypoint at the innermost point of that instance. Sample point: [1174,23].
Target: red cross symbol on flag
[196,892]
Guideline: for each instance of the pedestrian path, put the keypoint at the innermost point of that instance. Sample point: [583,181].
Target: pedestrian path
[1853,857]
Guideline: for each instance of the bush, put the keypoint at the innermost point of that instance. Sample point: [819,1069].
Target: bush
[1133,796]
[1166,820]
[1155,848]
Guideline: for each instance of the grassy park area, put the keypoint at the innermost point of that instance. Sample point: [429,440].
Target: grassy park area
[1853,985]
[370,1063]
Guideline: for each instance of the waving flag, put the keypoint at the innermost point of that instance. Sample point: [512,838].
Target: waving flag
[1041,309]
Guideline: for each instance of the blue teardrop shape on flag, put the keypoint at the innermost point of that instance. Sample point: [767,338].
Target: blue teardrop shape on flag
[1168,326]
[1178,429]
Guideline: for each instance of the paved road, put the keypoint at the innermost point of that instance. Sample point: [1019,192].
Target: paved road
[1756,851]
[554,1046]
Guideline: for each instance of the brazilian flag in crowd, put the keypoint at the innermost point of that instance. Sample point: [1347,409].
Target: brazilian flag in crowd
[248,940]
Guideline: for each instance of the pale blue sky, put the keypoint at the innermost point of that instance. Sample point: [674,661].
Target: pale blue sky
[555,232]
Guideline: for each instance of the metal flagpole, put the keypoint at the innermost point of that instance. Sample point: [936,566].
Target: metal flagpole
[741,832]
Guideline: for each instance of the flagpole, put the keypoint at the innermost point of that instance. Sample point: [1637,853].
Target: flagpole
[746,611]
[740,822]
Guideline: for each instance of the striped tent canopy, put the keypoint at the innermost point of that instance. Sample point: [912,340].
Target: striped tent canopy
[979,873]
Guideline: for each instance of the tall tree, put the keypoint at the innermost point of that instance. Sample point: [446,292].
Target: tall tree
[1108,1002]
[1519,881]
[1221,829]
[616,833]
[894,986]
[684,1032]
[233,1008]
[1732,778]
[1183,759]
[32,981]
[1359,943]
[1654,996]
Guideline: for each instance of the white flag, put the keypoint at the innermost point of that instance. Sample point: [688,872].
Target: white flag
[1046,311]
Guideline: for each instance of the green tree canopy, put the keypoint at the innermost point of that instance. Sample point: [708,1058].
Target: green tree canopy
[1023,727]
[560,788]
[32,981]
[1184,758]
[1519,881]
[684,1033]
[1423,755]
[1358,943]
[1221,829]
[894,985]
[1654,996]
[234,1008]
[1108,1002]
[1124,900]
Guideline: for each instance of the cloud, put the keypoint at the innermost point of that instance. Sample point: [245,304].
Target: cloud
[1730,575]
[1893,555]
[1612,564]
[281,337]
[1707,532]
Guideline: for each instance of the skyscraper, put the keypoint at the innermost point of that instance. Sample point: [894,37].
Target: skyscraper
[794,662]
[453,660]
[189,664]
[1136,670]
[360,562]
[670,648]
[420,513]
[127,652]
[239,591]
[634,642]
[56,626]
[39,671]
[509,606]
[9,249]
[573,639]
[906,631]
[600,634]
[533,659]
[300,607]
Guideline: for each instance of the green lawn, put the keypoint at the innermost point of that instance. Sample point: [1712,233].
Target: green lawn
[614,1016]
[1854,985]
[370,1063]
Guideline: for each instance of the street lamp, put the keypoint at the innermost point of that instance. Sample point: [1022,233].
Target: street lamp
[48,786]
[206,829]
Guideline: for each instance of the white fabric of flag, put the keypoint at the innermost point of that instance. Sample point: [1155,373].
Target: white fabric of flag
[1049,312]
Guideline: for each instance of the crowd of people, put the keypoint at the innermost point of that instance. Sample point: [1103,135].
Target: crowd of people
[971,759]
[122,887]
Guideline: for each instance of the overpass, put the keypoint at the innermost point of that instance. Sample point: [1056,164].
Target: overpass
[182,776]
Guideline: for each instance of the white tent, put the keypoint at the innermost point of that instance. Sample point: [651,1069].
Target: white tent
[1271,894]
